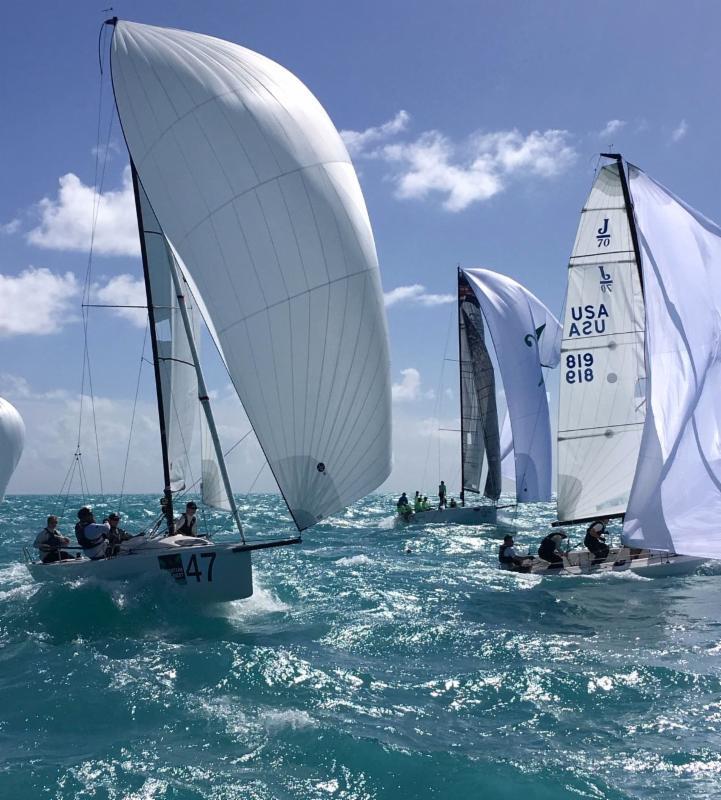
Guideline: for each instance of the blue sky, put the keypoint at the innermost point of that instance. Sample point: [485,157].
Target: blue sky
[475,128]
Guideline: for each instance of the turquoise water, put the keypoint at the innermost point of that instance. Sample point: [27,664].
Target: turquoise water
[359,671]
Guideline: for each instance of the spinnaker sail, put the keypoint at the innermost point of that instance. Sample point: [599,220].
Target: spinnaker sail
[12,440]
[253,187]
[675,501]
[525,336]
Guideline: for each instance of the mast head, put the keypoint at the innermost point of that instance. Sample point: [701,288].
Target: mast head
[111,21]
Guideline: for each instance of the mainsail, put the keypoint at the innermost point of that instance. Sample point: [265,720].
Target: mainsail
[526,336]
[253,187]
[675,502]
[479,412]
[602,374]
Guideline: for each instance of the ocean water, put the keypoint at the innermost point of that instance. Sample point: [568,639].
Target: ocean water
[358,670]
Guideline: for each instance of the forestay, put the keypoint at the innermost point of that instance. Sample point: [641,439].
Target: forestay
[12,439]
[479,411]
[602,376]
[676,497]
[525,337]
[254,188]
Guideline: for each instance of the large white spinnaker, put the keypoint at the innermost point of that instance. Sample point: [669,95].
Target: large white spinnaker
[518,322]
[12,439]
[675,501]
[254,188]
[602,374]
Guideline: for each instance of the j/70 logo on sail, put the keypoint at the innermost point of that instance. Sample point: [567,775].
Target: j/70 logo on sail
[606,282]
[603,236]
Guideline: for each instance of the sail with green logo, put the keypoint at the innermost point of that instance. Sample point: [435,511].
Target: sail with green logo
[525,337]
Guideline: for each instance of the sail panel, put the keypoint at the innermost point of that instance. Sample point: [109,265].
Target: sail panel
[675,502]
[179,386]
[12,440]
[256,192]
[602,377]
[479,413]
[518,322]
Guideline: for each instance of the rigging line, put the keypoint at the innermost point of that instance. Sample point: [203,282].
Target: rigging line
[255,480]
[95,427]
[439,394]
[132,418]
[68,480]
[192,486]
[98,186]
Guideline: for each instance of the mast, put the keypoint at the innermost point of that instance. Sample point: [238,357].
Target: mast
[167,492]
[203,392]
[618,158]
[460,382]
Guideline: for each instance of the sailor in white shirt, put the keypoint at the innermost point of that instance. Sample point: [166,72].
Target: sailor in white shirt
[91,536]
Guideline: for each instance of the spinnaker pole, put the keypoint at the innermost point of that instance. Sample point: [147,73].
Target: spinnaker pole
[202,390]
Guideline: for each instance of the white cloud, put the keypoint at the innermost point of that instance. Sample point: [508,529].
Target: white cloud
[680,131]
[51,420]
[612,126]
[36,302]
[66,223]
[476,170]
[124,290]
[107,151]
[10,227]
[415,294]
[409,388]
[358,141]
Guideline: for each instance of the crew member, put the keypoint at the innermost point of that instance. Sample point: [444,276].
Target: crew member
[187,523]
[442,495]
[595,542]
[91,536]
[550,550]
[50,541]
[117,534]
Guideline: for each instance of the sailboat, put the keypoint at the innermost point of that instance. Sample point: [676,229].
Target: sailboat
[12,440]
[638,428]
[495,309]
[249,213]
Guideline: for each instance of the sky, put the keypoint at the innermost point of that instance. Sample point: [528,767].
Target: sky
[475,128]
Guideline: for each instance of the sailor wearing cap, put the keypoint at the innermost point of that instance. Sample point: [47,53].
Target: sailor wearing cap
[187,524]
[117,534]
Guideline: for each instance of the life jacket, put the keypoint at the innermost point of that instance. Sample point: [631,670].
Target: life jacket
[186,526]
[504,559]
[47,541]
[83,541]
[547,550]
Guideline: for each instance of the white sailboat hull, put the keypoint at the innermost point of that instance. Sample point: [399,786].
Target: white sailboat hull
[649,564]
[200,570]
[463,515]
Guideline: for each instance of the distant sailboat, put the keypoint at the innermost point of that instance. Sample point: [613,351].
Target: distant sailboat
[248,208]
[526,337]
[639,374]
[12,439]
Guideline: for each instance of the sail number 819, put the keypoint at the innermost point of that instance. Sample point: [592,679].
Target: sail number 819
[579,368]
